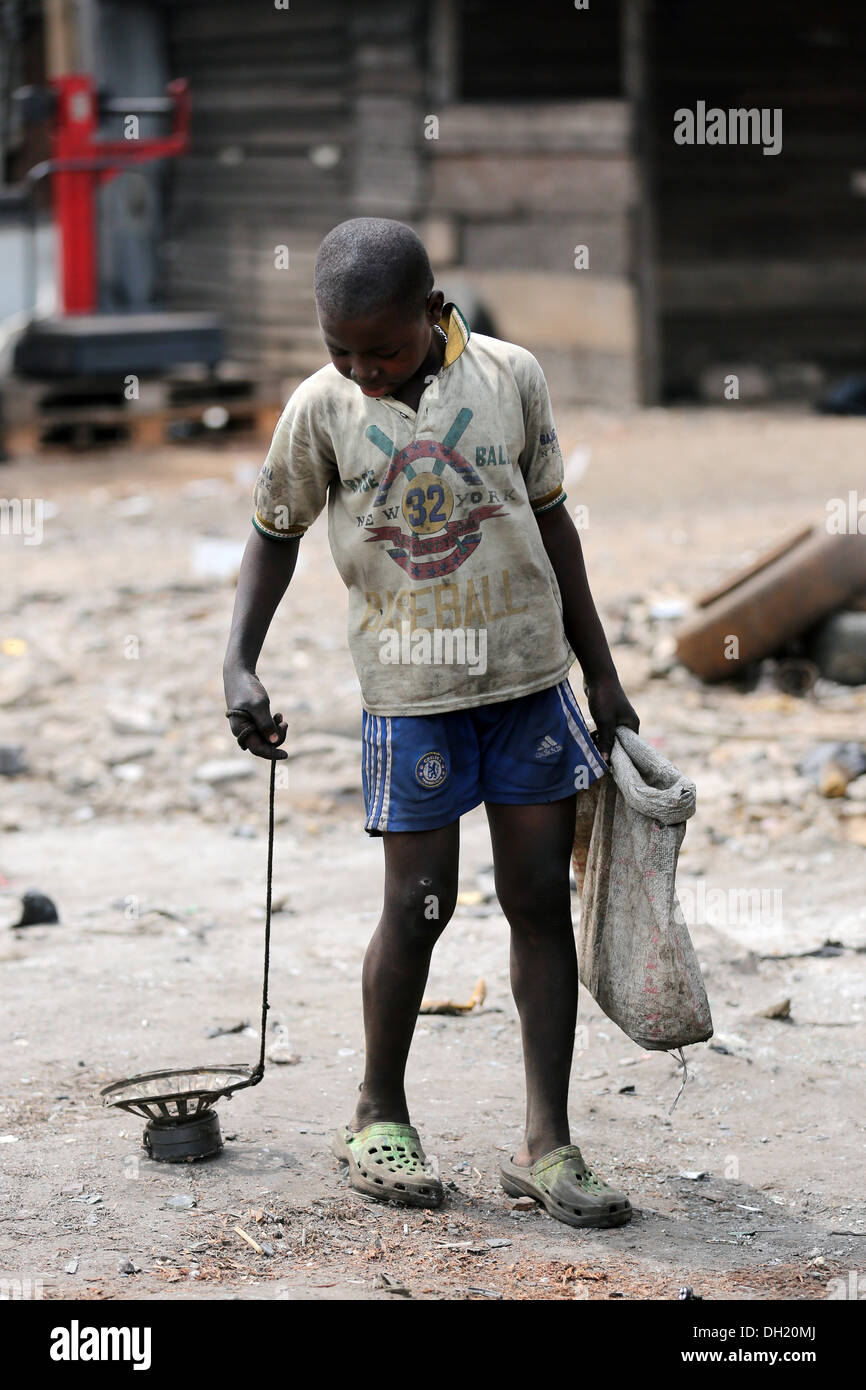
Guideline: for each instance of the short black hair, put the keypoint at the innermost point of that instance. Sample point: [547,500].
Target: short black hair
[369,264]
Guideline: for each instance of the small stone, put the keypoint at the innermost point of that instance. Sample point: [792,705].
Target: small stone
[665,609]
[219,770]
[127,1267]
[857,789]
[139,504]
[128,772]
[131,753]
[782,1010]
[12,760]
[180,1202]
[126,719]
[693,1175]
[831,764]
[72,1266]
[834,780]
[729,1044]
[524,1204]
[496,1244]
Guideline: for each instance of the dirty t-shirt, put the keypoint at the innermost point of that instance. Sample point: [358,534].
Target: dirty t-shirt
[453,601]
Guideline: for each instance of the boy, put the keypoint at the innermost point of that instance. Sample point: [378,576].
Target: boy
[436,452]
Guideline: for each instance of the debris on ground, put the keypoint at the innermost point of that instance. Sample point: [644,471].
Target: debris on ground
[249,1240]
[782,1011]
[281,1052]
[222,1030]
[219,770]
[13,760]
[838,647]
[832,766]
[773,601]
[37,909]
[157,877]
[448,1006]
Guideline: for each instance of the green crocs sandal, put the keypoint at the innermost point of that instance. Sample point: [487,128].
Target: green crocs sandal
[388,1162]
[568,1189]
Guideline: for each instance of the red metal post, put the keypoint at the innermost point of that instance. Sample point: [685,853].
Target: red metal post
[73,191]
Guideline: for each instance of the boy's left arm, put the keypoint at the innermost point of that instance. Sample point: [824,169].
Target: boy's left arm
[607,700]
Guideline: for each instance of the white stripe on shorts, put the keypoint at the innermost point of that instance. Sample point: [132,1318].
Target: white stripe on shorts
[386,796]
[583,741]
[378,764]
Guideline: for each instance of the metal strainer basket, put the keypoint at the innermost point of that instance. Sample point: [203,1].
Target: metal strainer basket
[177,1103]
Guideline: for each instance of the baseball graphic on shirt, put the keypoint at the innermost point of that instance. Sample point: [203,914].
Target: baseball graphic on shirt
[427,504]
[436,542]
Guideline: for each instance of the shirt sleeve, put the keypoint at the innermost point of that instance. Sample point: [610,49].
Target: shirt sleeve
[292,486]
[541,459]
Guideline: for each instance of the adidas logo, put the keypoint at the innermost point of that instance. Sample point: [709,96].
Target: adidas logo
[547,747]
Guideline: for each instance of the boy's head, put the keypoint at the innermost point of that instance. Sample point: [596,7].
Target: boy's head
[375,300]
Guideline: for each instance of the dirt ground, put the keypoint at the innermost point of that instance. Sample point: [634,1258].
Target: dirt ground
[111,640]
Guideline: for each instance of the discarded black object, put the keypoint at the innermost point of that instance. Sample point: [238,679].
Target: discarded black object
[12,760]
[177,1103]
[795,675]
[847,397]
[35,909]
[838,647]
[829,948]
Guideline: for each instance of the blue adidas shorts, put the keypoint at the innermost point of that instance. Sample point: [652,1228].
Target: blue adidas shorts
[421,771]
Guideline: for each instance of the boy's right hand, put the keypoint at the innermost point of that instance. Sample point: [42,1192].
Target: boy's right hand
[244,691]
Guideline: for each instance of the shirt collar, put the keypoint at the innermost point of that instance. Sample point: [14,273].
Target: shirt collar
[457,330]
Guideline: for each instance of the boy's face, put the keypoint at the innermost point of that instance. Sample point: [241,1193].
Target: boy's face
[381,352]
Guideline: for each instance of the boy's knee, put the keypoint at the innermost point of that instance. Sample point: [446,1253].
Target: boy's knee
[539,902]
[423,904]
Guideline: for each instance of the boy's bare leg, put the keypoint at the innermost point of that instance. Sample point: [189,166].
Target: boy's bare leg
[420,894]
[531,855]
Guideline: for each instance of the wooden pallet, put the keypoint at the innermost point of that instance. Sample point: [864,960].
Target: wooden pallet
[82,414]
[139,430]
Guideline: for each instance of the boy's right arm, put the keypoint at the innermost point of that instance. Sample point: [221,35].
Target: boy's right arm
[265,571]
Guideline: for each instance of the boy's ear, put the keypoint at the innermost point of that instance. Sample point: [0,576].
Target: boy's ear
[435,305]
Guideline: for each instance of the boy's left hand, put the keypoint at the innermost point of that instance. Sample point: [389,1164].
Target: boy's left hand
[609,707]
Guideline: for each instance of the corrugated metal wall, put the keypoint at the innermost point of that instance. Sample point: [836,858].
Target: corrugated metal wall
[272,165]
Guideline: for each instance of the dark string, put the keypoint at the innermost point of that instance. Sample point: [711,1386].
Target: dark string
[260,1066]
